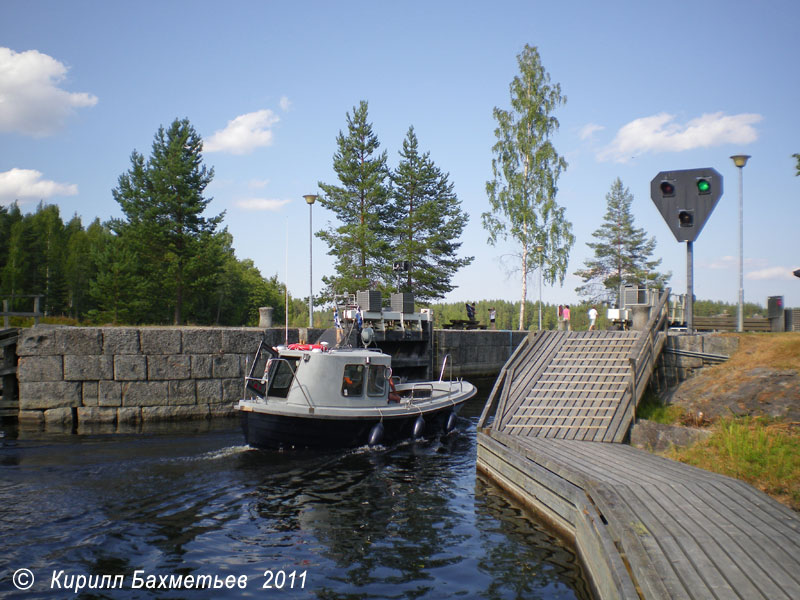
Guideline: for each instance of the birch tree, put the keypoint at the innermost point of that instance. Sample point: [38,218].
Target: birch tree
[526,168]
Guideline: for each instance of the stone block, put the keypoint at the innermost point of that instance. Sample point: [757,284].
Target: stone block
[226,366]
[180,392]
[120,340]
[221,410]
[109,393]
[144,393]
[88,368]
[89,393]
[96,414]
[40,368]
[30,418]
[59,417]
[169,366]
[157,340]
[49,394]
[720,344]
[37,341]
[232,390]
[201,366]
[129,415]
[241,340]
[79,340]
[174,413]
[197,340]
[131,367]
[209,391]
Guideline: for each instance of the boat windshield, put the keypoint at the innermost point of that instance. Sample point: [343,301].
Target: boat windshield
[281,374]
[377,376]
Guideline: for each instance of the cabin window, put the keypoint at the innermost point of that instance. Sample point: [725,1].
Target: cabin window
[376,380]
[353,380]
[281,374]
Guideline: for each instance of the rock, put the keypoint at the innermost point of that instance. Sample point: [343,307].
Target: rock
[655,437]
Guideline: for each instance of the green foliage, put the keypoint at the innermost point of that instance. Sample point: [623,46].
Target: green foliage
[361,238]
[430,223]
[526,168]
[622,253]
[797,156]
[163,203]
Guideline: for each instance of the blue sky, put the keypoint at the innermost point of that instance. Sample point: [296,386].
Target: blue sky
[650,87]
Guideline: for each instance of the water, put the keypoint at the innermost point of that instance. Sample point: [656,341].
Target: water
[409,521]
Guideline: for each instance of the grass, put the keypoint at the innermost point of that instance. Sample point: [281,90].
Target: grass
[762,452]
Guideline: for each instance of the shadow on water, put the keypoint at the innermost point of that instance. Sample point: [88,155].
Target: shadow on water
[408,521]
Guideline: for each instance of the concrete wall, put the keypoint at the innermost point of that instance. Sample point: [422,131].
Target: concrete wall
[672,369]
[474,353]
[114,375]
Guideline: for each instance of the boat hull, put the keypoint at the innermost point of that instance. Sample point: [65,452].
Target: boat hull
[280,431]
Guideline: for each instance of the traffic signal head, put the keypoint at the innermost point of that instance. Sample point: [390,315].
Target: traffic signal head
[690,195]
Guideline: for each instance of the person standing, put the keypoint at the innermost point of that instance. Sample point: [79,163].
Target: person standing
[566,315]
[492,317]
[560,317]
[592,318]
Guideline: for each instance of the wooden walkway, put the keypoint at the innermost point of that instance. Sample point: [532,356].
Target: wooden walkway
[644,526]
[647,527]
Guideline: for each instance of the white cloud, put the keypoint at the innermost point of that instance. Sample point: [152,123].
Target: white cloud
[284,103]
[780,273]
[588,130]
[243,134]
[255,184]
[660,133]
[30,100]
[27,185]
[261,204]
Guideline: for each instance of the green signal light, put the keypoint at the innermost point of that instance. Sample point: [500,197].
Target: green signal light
[703,186]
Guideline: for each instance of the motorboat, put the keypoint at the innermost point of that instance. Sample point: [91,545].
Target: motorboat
[319,396]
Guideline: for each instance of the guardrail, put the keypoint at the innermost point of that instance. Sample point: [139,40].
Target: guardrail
[645,352]
[36,314]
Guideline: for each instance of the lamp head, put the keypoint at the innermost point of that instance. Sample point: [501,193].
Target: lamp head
[310,198]
[740,160]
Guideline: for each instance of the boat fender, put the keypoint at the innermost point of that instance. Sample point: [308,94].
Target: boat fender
[451,422]
[376,434]
[419,426]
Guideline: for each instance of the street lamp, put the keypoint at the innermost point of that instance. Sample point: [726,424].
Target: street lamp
[310,198]
[540,250]
[740,160]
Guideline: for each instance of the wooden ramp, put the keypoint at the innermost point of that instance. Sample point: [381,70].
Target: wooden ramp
[648,527]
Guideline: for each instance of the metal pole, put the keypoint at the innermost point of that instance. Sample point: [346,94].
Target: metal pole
[310,276]
[740,312]
[689,287]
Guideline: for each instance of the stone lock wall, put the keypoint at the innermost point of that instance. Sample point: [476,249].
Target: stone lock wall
[112,375]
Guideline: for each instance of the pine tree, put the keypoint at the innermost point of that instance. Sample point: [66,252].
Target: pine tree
[430,224]
[163,202]
[526,168]
[622,252]
[360,239]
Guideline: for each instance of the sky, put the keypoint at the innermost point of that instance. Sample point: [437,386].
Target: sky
[650,87]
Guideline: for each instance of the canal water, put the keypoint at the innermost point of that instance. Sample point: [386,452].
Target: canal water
[188,511]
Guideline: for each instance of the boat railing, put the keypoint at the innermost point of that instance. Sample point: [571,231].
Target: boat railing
[265,380]
[422,390]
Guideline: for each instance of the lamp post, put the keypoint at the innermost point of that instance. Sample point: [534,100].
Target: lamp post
[310,198]
[540,250]
[740,160]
